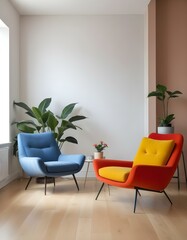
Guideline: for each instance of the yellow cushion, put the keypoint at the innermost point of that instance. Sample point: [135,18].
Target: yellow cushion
[119,174]
[153,152]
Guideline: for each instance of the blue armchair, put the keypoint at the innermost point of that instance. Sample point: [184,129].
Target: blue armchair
[40,156]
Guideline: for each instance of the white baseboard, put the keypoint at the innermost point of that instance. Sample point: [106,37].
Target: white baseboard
[9,179]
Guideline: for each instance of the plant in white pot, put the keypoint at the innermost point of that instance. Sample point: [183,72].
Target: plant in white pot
[164,95]
[99,150]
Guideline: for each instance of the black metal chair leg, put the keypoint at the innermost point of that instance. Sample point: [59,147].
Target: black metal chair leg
[135,199]
[28,183]
[139,193]
[54,181]
[178,177]
[109,189]
[100,190]
[75,181]
[184,166]
[167,197]
[45,182]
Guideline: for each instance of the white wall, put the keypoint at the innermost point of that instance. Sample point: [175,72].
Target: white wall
[11,18]
[97,61]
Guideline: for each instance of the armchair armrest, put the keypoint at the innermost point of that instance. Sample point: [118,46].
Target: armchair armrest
[76,158]
[100,163]
[33,166]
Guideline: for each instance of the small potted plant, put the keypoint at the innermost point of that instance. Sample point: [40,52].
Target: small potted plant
[164,95]
[99,147]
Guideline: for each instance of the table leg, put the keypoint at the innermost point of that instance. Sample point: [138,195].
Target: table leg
[86,173]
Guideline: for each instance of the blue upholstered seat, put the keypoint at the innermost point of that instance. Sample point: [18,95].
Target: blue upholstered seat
[61,167]
[40,156]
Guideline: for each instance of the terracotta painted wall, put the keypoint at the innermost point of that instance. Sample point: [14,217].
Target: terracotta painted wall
[152,64]
[171,58]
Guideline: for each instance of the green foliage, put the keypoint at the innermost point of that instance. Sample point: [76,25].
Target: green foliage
[163,95]
[100,146]
[43,120]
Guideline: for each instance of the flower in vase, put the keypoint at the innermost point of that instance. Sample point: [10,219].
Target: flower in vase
[101,146]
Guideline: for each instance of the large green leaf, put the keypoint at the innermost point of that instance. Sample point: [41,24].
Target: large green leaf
[71,139]
[29,122]
[44,105]
[173,94]
[52,122]
[158,95]
[26,107]
[22,127]
[76,118]
[68,139]
[154,94]
[177,92]
[67,110]
[169,118]
[38,115]
[60,133]
[45,116]
[66,124]
[23,105]
[161,88]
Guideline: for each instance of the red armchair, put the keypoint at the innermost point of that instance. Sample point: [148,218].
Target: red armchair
[143,176]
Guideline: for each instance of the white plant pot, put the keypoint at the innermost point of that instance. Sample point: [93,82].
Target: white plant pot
[98,155]
[165,130]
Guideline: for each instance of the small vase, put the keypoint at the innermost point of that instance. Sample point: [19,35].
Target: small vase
[98,155]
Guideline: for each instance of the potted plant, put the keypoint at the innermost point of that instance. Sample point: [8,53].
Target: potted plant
[99,147]
[41,119]
[164,96]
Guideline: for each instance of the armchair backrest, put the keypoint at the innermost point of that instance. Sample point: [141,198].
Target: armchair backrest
[42,145]
[176,154]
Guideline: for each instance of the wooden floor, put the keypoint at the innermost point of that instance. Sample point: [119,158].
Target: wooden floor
[66,214]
